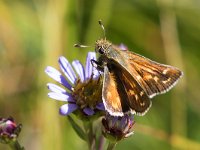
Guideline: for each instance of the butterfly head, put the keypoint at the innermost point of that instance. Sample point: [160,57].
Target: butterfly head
[102,46]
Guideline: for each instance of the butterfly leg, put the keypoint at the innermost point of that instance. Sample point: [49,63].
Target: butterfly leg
[96,64]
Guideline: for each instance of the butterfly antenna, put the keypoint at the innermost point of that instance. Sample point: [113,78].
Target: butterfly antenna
[80,46]
[102,26]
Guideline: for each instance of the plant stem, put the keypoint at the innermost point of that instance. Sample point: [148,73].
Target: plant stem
[90,135]
[111,145]
[101,142]
[16,146]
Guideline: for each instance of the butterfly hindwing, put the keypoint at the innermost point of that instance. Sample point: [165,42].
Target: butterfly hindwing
[138,100]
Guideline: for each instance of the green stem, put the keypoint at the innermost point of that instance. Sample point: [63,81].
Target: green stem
[90,135]
[111,145]
[101,142]
[16,146]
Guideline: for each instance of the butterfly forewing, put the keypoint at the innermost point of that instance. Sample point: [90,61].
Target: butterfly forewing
[153,77]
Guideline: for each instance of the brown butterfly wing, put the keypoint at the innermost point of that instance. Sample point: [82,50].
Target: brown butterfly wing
[121,92]
[111,97]
[154,78]
[137,100]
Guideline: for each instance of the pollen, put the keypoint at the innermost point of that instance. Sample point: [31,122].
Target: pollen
[88,94]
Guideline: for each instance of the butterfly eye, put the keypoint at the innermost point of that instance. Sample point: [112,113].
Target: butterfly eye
[101,50]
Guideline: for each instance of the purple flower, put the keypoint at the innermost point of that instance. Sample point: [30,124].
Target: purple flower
[81,87]
[123,47]
[9,131]
[116,128]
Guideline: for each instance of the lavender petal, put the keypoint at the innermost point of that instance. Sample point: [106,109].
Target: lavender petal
[66,109]
[100,106]
[88,68]
[56,75]
[88,111]
[113,121]
[124,122]
[54,88]
[61,97]
[123,47]
[96,73]
[67,69]
[79,69]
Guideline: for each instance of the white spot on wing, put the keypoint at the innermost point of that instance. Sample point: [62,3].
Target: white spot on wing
[156,78]
[164,91]
[136,97]
[141,93]
[131,92]
[143,113]
[138,77]
[165,71]
[166,81]
[148,77]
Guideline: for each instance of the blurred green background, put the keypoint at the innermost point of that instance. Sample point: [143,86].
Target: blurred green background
[34,33]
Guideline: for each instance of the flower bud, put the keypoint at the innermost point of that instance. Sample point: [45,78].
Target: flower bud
[117,128]
[9,131]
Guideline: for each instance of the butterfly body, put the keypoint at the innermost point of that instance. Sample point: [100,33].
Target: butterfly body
[131,80]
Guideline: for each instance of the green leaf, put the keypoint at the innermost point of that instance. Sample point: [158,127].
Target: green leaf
[79,131]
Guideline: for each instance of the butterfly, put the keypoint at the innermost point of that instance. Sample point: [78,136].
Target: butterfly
[131,80]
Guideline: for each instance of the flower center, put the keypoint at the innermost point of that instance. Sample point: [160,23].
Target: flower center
[88,94]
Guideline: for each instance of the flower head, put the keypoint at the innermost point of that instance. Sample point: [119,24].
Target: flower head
[82,86]
[9,131]
[117,128]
